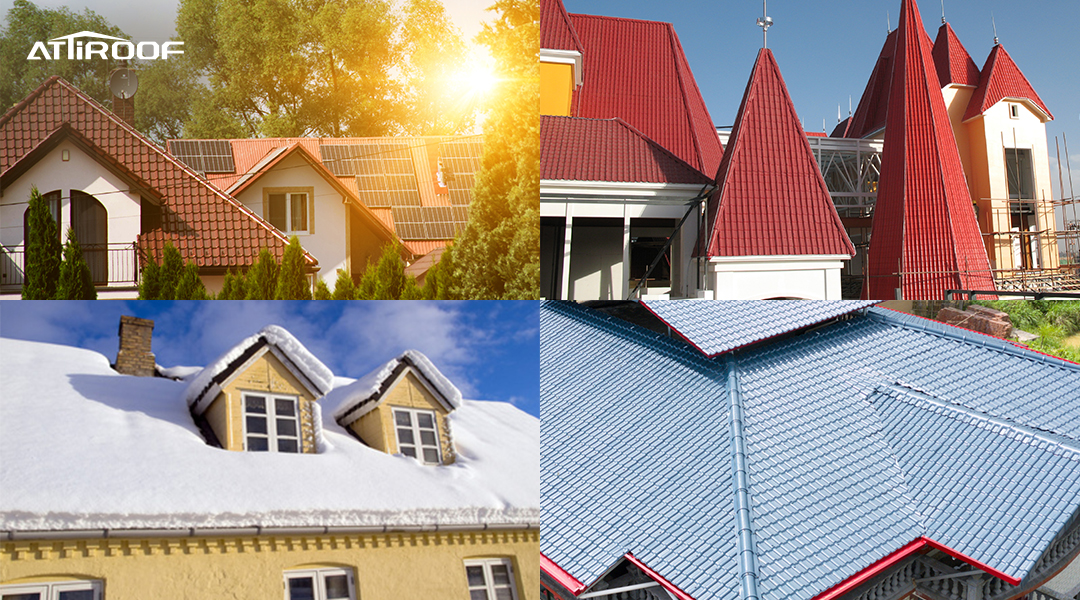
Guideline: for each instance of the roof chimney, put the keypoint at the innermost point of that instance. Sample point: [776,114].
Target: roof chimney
[134,356]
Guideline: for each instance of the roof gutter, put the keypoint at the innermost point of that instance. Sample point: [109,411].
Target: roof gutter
[86,534]
[913,547]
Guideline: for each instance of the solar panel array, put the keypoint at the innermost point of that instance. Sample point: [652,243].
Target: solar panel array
[460,161]
[205,156]
[384,172]
[429,222]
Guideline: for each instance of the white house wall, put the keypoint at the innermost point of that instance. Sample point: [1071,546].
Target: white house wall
[329,242]
[81,172]
[764,277]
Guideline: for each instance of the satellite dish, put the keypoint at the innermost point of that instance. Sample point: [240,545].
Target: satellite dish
[123,83]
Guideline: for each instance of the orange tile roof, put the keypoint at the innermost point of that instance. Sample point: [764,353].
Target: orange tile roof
[208,227]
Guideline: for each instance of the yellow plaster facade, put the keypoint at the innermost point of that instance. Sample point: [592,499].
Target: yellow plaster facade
[385,566]
[266,374]
[376,428]
[556,88]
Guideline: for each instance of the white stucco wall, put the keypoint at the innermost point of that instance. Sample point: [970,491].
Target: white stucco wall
[763,277]
[329,240]
[81,172]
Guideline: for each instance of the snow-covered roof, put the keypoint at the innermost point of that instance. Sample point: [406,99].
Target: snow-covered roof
[366,393]
[114,451]
[206,385]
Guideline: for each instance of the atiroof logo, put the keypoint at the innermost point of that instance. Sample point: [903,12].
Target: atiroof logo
[74,47]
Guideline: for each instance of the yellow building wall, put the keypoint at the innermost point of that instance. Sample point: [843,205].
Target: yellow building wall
[393,566]
[266,375]
[377,427]
[988,136]
[556,88]
[956,101]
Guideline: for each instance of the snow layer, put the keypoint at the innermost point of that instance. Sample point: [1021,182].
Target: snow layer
[364,388]
[84,447]
[202,386]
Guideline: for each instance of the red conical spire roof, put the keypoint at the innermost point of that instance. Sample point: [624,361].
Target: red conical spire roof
[954,64]
[1001,79]
[924,224]
[870,115]
[771,199]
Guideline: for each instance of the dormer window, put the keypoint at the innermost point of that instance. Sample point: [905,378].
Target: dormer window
[1014,111]
[271,423]
[417,435]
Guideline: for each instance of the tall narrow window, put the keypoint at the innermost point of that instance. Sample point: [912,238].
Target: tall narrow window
[1019,173]
[90,221]
[490,579]
[288,211]
[52,200]
[271,423]
[417,435]
[320,584]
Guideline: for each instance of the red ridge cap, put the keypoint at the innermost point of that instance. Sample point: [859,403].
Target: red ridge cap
[901,553]
[671,587]
[557,573]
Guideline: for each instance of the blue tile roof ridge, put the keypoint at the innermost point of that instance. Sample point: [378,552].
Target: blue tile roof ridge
[634,333]
[919,398]
[967,336]
[746,542]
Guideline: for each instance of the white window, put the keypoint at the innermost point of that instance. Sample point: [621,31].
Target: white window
[271,423]
[319,584]
[1014,111]
[417,435]
[61,590]
[490,579]
[288,211]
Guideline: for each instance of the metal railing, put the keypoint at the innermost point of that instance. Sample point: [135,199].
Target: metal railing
[111,265]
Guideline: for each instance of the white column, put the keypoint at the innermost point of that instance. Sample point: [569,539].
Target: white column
[567,235]
[625,287]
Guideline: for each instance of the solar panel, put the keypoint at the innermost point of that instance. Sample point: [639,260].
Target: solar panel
[384,172]
[429,222]
[460,160]
[205,156]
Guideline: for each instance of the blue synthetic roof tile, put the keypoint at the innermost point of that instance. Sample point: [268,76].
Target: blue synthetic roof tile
[860,436]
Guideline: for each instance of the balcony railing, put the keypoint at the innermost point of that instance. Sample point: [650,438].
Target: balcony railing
[111,265]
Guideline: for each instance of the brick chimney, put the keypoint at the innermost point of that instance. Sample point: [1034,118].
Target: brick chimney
[134,356]
[124,108]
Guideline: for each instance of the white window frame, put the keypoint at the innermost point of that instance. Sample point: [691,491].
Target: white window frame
[271,417]
[1014,110]
[489,581]
[415,427]
[51,590]
[309,208]
[319,577]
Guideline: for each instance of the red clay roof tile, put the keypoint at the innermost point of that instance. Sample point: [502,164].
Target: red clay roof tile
[924,224]
[637,71]
[578,149]
[771,199]
[869,117]
[556,32]
[1001,79]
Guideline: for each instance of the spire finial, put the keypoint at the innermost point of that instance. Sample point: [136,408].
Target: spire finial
[888,22]
[849,105]
[942,12]
[995,28]
[765,23]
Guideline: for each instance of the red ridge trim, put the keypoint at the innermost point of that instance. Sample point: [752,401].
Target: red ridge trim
[672,327]
[557,573]
[671,587]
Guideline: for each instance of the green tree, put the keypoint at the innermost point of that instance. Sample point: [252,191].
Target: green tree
[497,256]
[438,100]
[292,282]
[190,287]
[167,97]
[232,287]
[344,287]
[322,291]
[385,279]
[261,278]
[27,23]
[41,262]
[172,267]
[150,281]
[162,282]
[76,282]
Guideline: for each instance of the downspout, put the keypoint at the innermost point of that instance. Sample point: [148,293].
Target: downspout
[747,551]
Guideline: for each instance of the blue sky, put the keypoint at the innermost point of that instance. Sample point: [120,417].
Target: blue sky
[826,50]
[489,349]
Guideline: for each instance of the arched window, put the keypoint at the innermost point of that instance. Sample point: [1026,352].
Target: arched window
[90,221]
[52,199]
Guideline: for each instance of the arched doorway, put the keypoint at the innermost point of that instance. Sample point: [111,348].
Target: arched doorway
[90,221]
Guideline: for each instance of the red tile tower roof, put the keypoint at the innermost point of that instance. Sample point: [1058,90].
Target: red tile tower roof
[637,71]
[578,149]
[206,226]
[953,63]
[869,117]
[771,198]
[1001,79]
[924,224]
[556,32]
